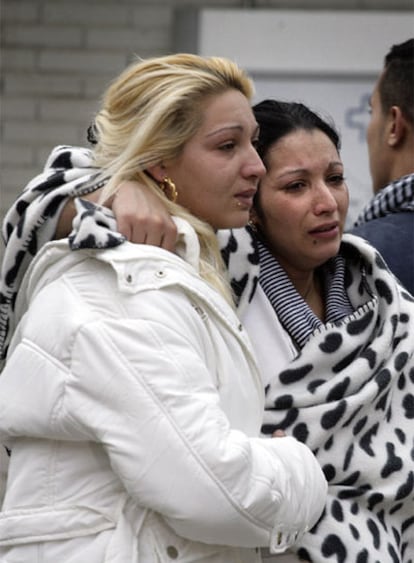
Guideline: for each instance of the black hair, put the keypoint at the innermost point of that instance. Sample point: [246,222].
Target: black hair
[277,119]
[396,85]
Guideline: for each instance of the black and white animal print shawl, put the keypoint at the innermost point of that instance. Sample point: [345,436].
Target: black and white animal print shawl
[32,220]
[349,393]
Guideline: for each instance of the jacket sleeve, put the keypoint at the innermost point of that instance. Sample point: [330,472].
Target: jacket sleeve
[171,444]
[32,220]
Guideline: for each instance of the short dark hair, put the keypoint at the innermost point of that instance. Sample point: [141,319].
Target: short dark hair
[277,119]
[396,85]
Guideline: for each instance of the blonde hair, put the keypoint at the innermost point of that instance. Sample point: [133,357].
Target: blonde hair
[147,116]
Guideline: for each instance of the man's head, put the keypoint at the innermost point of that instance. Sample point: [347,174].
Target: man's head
[390,133]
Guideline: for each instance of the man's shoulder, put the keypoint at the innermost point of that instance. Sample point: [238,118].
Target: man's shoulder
[400,216]
[399,224]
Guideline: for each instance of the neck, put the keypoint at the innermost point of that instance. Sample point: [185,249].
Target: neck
[306,286]
[403,162]
[311,292]
[306,289]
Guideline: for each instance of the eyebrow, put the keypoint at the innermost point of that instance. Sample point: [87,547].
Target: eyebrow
[291,172]
[305,170]
[231,127]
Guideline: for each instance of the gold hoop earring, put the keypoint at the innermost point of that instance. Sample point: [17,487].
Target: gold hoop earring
[169,189]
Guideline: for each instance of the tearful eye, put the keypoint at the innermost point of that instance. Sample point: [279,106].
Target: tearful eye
[337,179]
[227,146]
[294,187]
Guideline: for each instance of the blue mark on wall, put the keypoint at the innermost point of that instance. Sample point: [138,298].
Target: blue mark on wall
[358,117]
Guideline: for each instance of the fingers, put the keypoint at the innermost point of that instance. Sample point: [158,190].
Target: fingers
[169,240]
[142,217]
[278,434]
[154,230]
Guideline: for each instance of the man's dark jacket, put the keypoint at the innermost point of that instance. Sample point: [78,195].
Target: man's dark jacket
[388,224]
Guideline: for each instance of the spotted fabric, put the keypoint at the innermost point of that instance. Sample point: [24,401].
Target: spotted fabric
[32,220]
[349,395]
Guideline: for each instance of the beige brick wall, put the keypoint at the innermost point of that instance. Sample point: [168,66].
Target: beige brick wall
[58,55]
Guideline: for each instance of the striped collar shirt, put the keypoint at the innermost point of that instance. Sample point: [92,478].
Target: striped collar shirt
[295,315]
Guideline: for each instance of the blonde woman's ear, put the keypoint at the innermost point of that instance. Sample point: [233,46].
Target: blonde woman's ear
[166,184]
[157,172]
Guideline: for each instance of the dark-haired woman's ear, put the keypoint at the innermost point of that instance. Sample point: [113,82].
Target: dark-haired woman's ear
[254,220]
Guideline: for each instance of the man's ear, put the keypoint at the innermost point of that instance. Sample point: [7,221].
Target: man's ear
[397,126]
[157,172]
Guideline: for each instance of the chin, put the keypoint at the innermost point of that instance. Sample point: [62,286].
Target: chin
[330,253]
[235,222]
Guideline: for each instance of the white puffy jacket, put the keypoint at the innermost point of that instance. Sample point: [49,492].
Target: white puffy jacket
[132,405]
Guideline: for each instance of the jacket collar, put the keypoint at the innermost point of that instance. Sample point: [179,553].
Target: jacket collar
[397,196]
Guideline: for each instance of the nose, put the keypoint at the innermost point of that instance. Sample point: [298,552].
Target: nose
[325,201]
[254,165]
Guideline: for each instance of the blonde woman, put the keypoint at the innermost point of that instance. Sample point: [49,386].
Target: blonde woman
[130,397]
